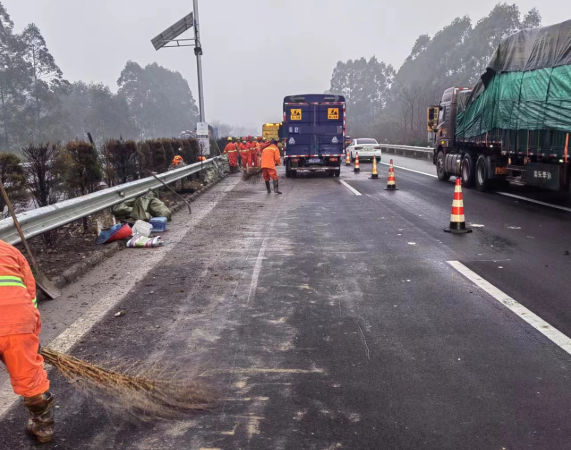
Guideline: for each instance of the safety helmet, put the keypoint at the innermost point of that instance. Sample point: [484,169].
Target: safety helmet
[230,138]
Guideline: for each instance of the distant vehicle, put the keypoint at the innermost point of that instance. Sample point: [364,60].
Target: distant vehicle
[513,125]
[347,142]
[366,147]
[271,131]
[313,133]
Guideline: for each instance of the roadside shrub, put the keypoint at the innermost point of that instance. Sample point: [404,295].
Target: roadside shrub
[14,180]
[158,156]
[169,151]
[44,173]
[83,172]
[121,156]
[144,159]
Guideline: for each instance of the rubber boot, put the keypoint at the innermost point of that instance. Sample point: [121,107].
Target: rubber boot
[276,189]
[268,187]
[41,421]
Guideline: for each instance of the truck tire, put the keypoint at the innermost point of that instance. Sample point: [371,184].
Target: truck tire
[440,170]
[288,170]
[483,183]
[337,172]
[468,171]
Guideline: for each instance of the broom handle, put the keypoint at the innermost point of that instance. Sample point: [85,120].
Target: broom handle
[172,190]
[17,224]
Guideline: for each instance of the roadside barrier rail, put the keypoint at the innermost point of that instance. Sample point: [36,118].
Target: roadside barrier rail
[408,150]
[47,218]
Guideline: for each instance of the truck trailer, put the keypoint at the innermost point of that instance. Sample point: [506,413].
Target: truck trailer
[313,133]
[514,125]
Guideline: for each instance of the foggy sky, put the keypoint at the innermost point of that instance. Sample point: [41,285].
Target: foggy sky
[255,51]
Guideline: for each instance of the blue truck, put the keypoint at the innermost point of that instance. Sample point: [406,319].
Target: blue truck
[313,133]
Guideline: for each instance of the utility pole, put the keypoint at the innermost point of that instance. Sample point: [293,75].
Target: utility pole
[198,53]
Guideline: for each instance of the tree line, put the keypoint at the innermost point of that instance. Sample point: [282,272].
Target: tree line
[390,104]
[38,105]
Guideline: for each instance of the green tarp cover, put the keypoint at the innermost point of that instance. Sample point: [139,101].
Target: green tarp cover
[142,208]
[527,85]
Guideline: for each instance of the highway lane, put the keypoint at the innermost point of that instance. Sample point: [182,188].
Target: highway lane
[521,248]
[327,320]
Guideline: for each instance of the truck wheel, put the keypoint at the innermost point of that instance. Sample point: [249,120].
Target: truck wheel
[468,171]
[288,170]
[294,173]
[440,170]
[337,172]
[483,183]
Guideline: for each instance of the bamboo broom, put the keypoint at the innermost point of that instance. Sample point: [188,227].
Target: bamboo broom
[254,175]
[143,395]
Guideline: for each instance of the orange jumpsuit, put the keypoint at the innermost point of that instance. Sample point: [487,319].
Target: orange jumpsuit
[270,159]
[245,155]
[253,154]
[232,153]
[20,324]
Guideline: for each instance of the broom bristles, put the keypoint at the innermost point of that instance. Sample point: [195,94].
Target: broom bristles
[253,175]
[152,397]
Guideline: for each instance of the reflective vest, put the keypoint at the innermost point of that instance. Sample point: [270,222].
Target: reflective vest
[18,305]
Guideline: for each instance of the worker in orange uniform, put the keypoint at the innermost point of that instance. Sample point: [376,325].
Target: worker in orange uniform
[232,153]
[253,152]
[177,162]
[271,158]
[20,326]
[245,154]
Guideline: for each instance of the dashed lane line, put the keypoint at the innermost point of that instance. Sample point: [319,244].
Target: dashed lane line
[411,170]
[351,188]
[552,333]
[550,205]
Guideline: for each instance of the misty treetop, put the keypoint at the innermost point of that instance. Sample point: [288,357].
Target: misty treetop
[37,103]
[392,106]
[160,100]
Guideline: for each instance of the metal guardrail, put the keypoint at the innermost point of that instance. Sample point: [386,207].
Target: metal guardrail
[50,217]
[409,150]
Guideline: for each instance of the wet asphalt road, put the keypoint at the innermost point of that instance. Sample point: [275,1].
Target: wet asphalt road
[327,320]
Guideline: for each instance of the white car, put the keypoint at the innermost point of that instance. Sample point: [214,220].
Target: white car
[366,147]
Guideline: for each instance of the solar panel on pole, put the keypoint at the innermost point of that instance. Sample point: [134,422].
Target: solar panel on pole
[172,32]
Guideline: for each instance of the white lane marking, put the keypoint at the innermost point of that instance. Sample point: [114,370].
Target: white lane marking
[550,205]
[76,331]
[352,189]
[411,170]
[259,261]
[534,320]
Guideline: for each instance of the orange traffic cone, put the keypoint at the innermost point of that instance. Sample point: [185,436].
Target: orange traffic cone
[357,168]
[457,220]
[375,172]
[391,182]
[348,159]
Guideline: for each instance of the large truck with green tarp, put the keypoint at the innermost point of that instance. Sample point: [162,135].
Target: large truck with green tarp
[514,125]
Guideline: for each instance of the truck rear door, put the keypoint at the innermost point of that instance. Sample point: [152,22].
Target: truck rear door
[328,128]
[297,120]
